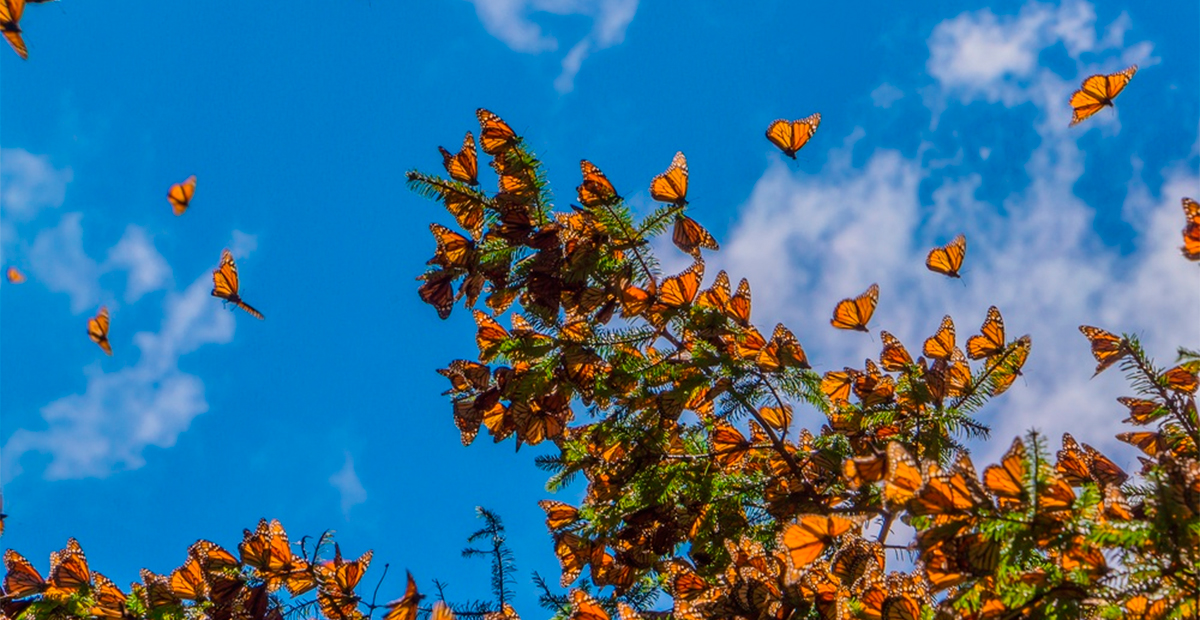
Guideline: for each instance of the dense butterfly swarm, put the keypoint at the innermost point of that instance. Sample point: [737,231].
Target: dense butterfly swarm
[700,491]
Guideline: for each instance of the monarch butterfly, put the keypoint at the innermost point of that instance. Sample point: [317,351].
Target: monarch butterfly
[864,470]
[438,291]
[738,308]
[729,446]
[574,552]
[783,351]
[21,578]
[68,571]
[681,289]
[952,493]
[1106,347]
[1181,378]
[539,420]
[453,249]
[180,195]
[596,190]
[685,584]
[1142,411]
[465,375]
[97,329]
[791,136]
[779,418]
[836,384]
[991,339]
[14,275]
[855,313]
[718,295]
[441,611]
[494,133]
[941,345]
[156,591]
[464,165]
[903,476]
[187,582]
[1008,369]
[10,16]
[336,596]
[807,538]
[690,236]
[1078,466]
[212,557]
[1098,91]
[558,514]
[109,599]
[1191,230]
[584,607]
[948,259]
[225,284]
[1007,480]
[672,185]
[894,357]
[465,204]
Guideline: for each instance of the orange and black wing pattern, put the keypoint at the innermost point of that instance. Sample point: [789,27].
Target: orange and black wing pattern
[596,190]
[690,236]
[990,341]
[464,165]
[855,312]
[10,18]
[97,329]
[1107,348]
[672,185]
[948,259]
[494,134]
[791,136]
[180,195]
[1191,230]
[1097,92]
[225,284]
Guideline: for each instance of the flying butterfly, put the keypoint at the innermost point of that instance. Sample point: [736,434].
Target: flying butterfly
[596,190]
[97,329]
[438,291]
[791,136]
[406,608]
[690,236]
[180,195]
[672,185]
[1097,92]
[462,166]
[1009,368]
[225,284]
[10,17]
[1191,230]
[948,259]
[14,275]
[1107,348]
[854,313]
[894,356]
[494,133]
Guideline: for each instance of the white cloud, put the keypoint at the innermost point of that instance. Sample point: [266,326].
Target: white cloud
[512,22]
[59,262]
[1035,255]
[135,254]
[885,95]
[120,414]
[29,183]
[348,486]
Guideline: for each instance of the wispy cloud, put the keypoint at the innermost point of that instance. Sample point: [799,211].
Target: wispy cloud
[28,184]
[348,486]
[513,22]
[59,262]
[1035,255]
[121,413]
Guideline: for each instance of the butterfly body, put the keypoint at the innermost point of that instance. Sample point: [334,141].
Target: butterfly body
[225,284]
[97,329]
[855,312]
[180,195]
[948,259]
[672,185]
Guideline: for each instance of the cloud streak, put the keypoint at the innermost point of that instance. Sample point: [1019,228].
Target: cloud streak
[512,21]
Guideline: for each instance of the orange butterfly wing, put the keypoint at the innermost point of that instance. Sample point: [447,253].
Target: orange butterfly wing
[21,578]
[225,284]
[1098,91]
[180,195]
[10,16]
[672,185]
[1191,230]
[805,540]
[941,345]
[494,133]
[97,329]
[596,190]
[791,136]
[991,339]
[680,290]
[894,356]
[690,236]
[855,313]
[464,165]
[14,275]
[948,259]
[1107,348]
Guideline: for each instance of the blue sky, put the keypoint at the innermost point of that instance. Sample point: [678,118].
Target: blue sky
[299,122]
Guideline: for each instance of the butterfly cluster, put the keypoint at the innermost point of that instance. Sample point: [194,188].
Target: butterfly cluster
[700,482]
